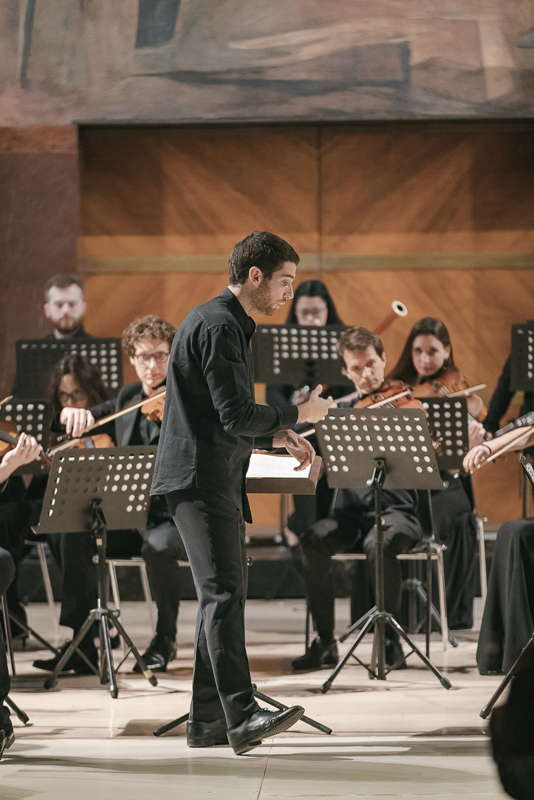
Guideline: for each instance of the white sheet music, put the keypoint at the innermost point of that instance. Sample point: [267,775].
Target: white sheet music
[272,466]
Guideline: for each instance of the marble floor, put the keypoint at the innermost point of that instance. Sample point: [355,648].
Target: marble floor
[406,737]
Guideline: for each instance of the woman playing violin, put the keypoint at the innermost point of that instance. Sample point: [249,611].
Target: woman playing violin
[74,382]
[427,364]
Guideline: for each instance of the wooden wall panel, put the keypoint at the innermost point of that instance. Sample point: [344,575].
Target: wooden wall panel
[371,211]
[152,194]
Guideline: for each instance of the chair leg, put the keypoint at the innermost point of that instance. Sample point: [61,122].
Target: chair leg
[442,600]
[47,583]
[148,594]
[482,559]
[114,585]
[7,631]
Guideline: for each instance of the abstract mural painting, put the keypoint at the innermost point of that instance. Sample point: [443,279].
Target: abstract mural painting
[244,60]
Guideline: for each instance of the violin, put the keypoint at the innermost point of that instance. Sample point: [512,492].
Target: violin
[452,383]
[9,436]
[154,406]
[393,394]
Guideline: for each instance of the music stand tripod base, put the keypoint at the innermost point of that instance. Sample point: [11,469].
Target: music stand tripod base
[259,696]
[377,449]
[87,492]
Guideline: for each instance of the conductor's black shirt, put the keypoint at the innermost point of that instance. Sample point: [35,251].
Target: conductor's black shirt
[211,417]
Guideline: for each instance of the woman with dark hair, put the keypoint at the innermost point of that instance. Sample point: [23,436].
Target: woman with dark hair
[427,364]
[75,382]
[312,305]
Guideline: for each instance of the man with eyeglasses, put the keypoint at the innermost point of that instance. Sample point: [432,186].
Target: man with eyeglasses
[147,343]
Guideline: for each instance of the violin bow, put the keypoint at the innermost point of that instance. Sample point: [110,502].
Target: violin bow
[378,404]
[522,434]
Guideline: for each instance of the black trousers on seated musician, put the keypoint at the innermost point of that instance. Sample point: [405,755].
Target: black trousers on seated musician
[353,530]
[159,544]
[508,617]
[7,576]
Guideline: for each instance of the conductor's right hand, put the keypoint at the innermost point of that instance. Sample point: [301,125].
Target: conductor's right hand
[316,407]
[76,421]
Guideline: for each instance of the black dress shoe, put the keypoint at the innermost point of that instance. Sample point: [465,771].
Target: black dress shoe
[206,734]
[75,663]
[159,652]
[319,654]
[7,737]
[262,724]
[394,654]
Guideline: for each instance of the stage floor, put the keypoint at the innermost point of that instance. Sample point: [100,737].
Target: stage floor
[403,738]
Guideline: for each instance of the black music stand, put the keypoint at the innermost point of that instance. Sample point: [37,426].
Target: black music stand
[36,359]
[90,492]
[33,417]
[377,449]
[522,364]
[298,355]
[447,420]
[528,648]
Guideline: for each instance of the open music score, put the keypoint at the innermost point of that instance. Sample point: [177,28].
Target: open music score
[269,473]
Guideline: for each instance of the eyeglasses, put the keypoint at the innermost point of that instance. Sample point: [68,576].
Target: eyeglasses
[146,358]
[74,397]
[311,312]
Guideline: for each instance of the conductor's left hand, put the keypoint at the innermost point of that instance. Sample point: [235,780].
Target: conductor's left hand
[297,446]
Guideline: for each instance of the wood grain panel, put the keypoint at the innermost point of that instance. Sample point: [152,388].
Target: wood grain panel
[198,191]
[427,191]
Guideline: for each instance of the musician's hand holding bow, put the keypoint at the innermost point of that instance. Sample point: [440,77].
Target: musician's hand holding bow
[25,451]
[76,421]
[476,457]
[297,446]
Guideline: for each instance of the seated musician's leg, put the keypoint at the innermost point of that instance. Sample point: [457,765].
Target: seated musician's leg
[79,597]
[403,532]
[318,544]
[7,575]
[162,549]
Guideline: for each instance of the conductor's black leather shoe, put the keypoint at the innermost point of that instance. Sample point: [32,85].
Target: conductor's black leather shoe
[75,663]
[206,734]
[7,737]
[319,654]
[159,652]
[261,725]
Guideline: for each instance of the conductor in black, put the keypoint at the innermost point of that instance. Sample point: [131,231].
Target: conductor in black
[210,423]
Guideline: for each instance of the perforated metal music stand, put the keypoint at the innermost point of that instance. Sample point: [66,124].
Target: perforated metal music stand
[91,491]
[33,417]
[36,359]
[298,355]
[522,364]
[447,420]
[379,449]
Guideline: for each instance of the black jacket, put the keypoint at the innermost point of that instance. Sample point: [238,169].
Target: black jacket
[211,417]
